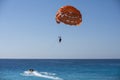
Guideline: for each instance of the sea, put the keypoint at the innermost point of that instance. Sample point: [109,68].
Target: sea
[60,69]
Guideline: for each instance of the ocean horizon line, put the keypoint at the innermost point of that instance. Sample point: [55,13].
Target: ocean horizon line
[64,58]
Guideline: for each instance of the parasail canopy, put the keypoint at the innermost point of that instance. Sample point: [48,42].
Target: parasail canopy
[69,15]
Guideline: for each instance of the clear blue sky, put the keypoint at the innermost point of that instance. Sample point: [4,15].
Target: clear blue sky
[28,29]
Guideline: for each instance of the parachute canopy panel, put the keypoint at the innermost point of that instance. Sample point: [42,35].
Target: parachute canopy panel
[69,15]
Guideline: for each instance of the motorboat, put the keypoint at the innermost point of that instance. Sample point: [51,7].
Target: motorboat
[31,70]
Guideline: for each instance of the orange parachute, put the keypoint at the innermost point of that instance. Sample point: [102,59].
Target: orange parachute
[69,15]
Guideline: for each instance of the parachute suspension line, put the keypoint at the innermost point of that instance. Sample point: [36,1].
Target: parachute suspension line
[60,33]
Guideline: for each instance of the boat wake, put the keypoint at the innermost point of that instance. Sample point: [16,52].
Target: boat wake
[41,75]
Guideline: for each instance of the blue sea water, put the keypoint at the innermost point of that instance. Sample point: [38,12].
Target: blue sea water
[60,69]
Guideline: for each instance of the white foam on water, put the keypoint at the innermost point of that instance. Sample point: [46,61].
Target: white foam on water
[46,73]
[42,75]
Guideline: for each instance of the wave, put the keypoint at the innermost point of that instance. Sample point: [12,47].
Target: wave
[42,75]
